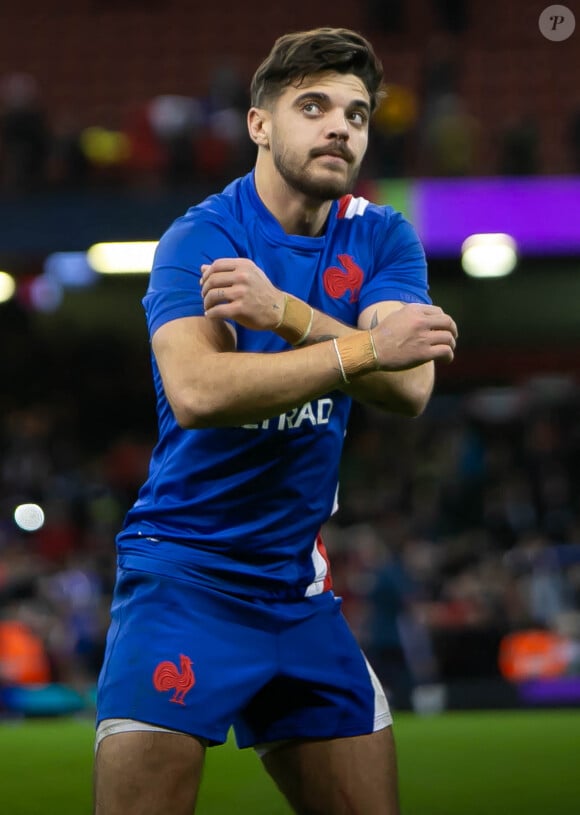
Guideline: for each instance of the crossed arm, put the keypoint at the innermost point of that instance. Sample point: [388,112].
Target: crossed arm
[402,391]
[209,384]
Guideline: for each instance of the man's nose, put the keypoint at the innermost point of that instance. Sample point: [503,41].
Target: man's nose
[337,125]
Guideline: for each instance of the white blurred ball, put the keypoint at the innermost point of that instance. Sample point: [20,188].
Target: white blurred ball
[29,517]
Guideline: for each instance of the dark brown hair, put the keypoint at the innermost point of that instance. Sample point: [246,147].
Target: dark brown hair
[304,53]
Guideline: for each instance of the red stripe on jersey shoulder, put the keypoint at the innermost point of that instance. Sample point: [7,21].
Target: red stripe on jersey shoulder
[343,205]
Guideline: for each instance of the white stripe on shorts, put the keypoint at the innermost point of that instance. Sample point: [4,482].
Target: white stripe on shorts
[383,717]
[109,727]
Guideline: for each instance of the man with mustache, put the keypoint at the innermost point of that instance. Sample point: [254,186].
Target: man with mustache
[224,613]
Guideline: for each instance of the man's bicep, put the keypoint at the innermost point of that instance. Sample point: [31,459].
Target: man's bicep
[183,345]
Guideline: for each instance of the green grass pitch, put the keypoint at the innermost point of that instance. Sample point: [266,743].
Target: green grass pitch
[505,763]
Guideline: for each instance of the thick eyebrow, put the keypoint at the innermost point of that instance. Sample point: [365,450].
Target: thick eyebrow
[324,98]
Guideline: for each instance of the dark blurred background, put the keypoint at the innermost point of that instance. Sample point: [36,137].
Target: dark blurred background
[457,543]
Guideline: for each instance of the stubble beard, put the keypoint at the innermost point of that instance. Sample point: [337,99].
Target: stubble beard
[300,178]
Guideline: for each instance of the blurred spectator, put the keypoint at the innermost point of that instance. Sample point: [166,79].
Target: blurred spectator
[107,152]
[453,15]
[24,134]
[223,148]
[175,121]
[23,657]
[440,71]
[76,594]
[519,146]
[26,468]
[68,166]
[390,141]
[449,134]
[450,139]
[227,90]
[509,509]
[147,159]
[398,643]
[387,16]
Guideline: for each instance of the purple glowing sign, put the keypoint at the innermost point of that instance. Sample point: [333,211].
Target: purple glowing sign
[560,691]
[541,214]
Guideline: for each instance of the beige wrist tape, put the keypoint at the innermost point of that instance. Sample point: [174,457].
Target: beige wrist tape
[296,322]
[356,354]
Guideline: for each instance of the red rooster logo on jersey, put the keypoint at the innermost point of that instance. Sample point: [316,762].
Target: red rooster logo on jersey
[167,676]
[337,281]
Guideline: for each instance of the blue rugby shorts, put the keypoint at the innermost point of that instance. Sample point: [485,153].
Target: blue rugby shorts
[191,659]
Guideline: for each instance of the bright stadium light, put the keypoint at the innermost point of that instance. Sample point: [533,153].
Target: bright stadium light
[489,255]
[122,258]
[7,287]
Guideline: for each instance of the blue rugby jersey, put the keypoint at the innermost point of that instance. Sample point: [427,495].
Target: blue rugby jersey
[240,508]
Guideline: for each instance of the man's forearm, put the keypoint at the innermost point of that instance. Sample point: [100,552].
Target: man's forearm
[406,392]
[259,386]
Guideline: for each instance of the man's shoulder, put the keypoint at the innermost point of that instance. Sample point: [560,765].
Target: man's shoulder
[226,204]
[218,214]
[383,230]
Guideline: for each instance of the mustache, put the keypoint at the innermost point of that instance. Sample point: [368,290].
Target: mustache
[336,148]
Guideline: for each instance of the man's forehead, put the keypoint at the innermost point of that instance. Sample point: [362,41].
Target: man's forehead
[330,83]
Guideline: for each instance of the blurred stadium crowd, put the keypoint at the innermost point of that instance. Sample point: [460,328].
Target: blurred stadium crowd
[454,529]
[472,89]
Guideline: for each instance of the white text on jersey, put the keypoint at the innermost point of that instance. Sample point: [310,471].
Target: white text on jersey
[317,412]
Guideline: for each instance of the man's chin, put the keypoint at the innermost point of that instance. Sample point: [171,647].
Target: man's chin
[327,186]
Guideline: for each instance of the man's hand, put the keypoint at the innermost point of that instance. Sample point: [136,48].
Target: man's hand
[412,335]
[236,289]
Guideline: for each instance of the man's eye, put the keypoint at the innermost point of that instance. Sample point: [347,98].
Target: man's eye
[358,117]
[311,107]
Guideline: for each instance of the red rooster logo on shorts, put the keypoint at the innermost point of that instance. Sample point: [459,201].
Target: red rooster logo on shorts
[167,676]
[337,281]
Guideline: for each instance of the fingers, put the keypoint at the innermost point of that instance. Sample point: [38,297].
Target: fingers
[218,296]
[220,312]
[438,337]
[442,353]
[438,319]
[445,323]
[444,339]
[216,280]
[223,266]
[220,265]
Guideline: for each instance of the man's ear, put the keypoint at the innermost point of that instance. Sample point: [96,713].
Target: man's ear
[259,126]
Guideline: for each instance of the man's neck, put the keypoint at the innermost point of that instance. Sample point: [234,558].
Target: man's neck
[296,213]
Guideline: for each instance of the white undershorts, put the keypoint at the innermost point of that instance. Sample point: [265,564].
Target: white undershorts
[109,727]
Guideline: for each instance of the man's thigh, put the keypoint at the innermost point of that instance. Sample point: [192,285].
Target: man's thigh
[348,776]
[147,773]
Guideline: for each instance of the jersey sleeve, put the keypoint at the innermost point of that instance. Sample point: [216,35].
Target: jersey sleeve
[174,286]
[400,265]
